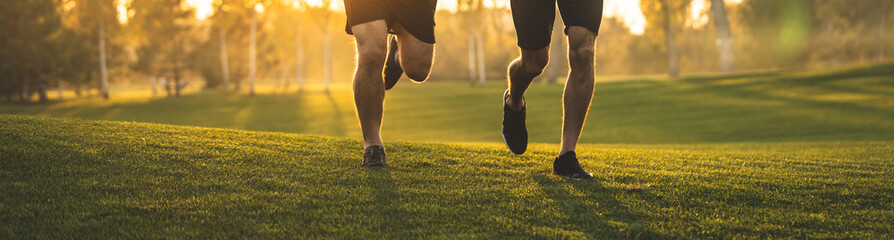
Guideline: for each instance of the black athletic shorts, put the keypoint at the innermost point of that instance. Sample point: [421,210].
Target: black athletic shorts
[534,19]
[416,16]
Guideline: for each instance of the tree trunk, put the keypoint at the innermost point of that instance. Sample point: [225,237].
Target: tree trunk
[42,90]
[830,41]
[154,85]
[673,64]
[472,64]
[557,53]
[327,58]
[177,84]
[285,77]
[479,47]
[167,85]
[724,36]
[59,89]
[224,60]
[103,68]
[26,91]
[252,52]
[881,32]
[299,58]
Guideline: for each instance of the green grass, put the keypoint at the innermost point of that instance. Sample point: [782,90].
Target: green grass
[97,179]
[779,154]
[845,104]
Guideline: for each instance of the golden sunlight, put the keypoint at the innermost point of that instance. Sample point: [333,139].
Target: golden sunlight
[122,12]
[697,17]
[629,12]
[203,8]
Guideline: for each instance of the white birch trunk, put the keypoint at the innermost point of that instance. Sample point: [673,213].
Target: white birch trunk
[673,64]
[224,60]
[881,32]
[103,68]
[327,59]
[479,47]
[471,59]
[724,36]
[153,83]
[299,58]
[59,89]
[252,52]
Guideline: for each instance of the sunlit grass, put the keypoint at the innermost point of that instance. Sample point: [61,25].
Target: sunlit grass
[94,179]
[778,154]
[853,103]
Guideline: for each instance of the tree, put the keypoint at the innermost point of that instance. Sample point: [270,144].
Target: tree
[103,66]
[669,15]
[168,34]
[321,15]
[26,52]
[724,36]
[253,48]
[472,12]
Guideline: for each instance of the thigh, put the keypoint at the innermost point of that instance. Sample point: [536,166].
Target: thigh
[581,13]
[533,21]
[371,38]
[412,49]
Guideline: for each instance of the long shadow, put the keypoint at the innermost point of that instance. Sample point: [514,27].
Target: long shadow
[740,91]
[616,220]
[338,129]
[387,205]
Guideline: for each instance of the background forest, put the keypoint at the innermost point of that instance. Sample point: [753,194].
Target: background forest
[52,48]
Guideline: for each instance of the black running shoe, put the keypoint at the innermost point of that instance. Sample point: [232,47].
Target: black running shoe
[568,166]
[374,158]
[393,70]
[515,133]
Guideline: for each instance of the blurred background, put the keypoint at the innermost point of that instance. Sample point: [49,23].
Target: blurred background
[55,48]
[668,71]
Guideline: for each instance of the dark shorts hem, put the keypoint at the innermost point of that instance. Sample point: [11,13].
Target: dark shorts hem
[415,16]
[533,19]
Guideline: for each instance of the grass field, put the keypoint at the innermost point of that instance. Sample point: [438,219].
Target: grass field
[783,154]
[64,178]
[828,105]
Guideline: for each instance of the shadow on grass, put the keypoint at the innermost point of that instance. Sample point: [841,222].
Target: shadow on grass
[598,213]
[386,204]
[339,130]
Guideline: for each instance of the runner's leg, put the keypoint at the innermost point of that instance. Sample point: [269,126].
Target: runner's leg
[415,55]
[580,85]
[369,87]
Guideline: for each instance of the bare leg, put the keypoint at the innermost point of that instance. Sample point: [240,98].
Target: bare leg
[579,87]
[415,56]
[369,87]
[522,71]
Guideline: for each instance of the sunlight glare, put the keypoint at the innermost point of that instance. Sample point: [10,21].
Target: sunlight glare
[203,8]
[629,12]
[122,12]
[697,17]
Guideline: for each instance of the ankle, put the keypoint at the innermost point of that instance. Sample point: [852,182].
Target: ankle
[515,105]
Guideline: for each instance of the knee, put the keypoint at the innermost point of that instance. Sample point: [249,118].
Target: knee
[370,59]
[535,63]
[417,71]
[582,57]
